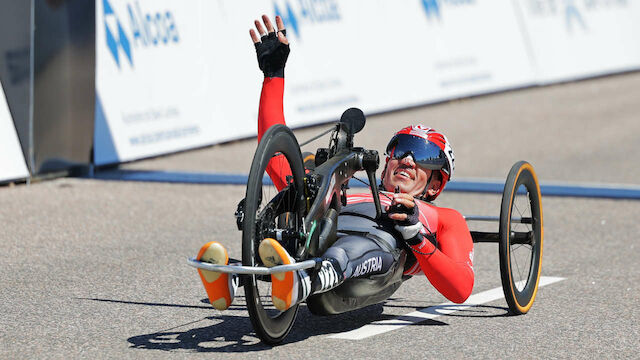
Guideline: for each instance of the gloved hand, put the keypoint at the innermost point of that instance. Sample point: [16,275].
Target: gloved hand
[405,213]
[272,48]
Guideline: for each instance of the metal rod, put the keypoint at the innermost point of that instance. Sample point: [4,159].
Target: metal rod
[484,237]
[251,270]
[481,218]
[374,193]
[524,220]
[493,237]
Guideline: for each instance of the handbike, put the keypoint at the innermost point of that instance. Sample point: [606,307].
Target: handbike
[303,217]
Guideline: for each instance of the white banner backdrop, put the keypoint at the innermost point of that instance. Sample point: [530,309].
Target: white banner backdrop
[12,165]
[572,39]
[383,55]
[200,86]
[319,84]
[414,52]
[174,75]
[153,78]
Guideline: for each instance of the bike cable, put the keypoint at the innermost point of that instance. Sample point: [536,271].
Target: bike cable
[310,140]
[319,136]
[369,185]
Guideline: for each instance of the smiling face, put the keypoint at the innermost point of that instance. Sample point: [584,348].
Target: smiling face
[407,175]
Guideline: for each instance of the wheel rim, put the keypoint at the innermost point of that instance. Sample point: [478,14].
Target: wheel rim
[525,259]
[262,207]
[521,234]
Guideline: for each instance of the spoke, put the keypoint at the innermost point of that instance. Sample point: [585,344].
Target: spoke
[514,260]
[524,248]
[515,205]
[516,252]
[516,247]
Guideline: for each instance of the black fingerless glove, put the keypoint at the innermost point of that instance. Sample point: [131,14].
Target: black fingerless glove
[272,55]
[411,226]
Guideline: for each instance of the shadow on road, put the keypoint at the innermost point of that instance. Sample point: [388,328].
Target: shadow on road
[481,311]
[225,334]
[234,333]
[478,311]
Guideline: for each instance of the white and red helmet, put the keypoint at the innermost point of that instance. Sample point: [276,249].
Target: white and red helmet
[430,149]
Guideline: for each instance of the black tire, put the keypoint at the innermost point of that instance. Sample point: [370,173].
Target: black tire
[521,241]
[265,211]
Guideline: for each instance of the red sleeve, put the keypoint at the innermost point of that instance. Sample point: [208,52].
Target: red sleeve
[271,113]
[450,267]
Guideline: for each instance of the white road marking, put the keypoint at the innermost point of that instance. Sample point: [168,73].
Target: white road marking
[431,312]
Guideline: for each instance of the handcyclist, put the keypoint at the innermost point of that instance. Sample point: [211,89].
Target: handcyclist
[419,162]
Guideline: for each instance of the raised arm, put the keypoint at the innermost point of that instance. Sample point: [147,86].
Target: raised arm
[272,49]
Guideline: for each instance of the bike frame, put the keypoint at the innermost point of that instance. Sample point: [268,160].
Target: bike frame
[325,188]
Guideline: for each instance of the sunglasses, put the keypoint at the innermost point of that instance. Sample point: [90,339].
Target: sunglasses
[426,154]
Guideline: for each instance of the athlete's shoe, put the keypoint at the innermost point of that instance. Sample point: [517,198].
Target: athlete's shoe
[220,287]
[287,288]
[309,160]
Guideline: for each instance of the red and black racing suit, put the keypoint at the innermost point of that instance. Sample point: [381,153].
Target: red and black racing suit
[443,251]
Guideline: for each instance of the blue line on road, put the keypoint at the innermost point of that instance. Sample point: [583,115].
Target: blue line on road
[172,177]
[469,185]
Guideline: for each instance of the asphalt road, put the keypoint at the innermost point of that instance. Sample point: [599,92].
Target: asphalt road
[97,269]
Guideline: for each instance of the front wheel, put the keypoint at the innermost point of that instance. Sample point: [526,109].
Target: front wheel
[268,210]
[521,235]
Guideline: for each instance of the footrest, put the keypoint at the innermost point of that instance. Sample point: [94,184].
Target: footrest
[251,270]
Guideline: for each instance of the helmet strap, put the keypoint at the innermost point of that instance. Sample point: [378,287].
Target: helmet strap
[384,171]
[426,187]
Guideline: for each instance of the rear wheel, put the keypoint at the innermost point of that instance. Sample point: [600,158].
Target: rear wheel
[521,236]
[267,211]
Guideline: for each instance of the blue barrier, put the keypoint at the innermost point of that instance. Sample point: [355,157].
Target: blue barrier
[571,190]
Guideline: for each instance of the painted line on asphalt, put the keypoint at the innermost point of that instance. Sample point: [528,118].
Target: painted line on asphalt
[606,191]
[431,312]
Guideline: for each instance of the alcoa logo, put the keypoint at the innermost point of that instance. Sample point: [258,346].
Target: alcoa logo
[433,8]
[575,13]
[307,12]
[553,8]
[146,29]
[573,16]
[114,43]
